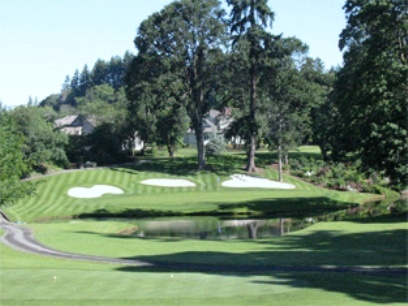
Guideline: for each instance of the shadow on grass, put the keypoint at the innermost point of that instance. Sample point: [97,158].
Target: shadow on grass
[266,158]
[288,207]
[262,208]
[299,258]
[184,166]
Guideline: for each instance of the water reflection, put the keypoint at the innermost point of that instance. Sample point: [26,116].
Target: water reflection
[215,229]
[212,228]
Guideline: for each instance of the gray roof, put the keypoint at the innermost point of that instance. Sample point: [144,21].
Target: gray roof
[65,121]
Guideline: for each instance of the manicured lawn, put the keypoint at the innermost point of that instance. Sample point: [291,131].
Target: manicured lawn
[34,280]
[207,198]
[324,244]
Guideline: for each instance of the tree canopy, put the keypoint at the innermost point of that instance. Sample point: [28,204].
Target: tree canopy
[248,21]
[181,39]
[41,142]
[13,164]
[371,88]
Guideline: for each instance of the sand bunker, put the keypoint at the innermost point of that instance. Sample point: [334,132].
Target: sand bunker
[245,181]
[95,191]
[168,182]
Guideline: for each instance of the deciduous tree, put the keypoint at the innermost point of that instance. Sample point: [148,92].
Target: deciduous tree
[371,88]
[181,37]
[13,164]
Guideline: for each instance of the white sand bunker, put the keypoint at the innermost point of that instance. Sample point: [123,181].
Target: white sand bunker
[168,182]
[95,191]
[245,181]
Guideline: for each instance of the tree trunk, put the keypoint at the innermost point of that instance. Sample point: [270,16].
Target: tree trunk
[200,147]
[251,156]
[170,149]
[252,124]
[282,226]
[252,230]
[286,158]
[325,153]
[280,163]
[197,87]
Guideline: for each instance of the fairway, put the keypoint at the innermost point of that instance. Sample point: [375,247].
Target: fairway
[207,197]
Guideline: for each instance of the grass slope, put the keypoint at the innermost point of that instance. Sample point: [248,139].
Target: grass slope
[207,198]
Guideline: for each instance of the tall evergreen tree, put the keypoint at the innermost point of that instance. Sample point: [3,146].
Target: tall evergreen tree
[249,18]
[99,72]
[85,81]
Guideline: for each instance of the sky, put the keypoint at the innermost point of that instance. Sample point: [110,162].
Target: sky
[43,41]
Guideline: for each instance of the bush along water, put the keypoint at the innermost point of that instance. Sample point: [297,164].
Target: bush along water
[338,176]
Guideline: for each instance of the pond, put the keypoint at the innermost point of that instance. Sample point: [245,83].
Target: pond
[213,228]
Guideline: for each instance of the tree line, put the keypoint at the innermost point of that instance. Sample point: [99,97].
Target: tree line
[193,56]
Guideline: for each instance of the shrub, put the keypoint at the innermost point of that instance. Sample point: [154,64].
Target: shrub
[215,145]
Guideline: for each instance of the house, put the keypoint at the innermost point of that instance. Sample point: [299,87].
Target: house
[214,122]
[84,125]
[76,124]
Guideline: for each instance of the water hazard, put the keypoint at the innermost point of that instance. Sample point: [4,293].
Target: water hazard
[212,228]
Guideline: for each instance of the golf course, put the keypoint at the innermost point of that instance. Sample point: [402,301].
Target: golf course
[350,261]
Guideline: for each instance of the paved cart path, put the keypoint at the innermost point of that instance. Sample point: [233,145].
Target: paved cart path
[21,238]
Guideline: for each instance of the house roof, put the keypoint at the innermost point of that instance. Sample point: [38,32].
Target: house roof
[70,120]
[65,121]
[76,124]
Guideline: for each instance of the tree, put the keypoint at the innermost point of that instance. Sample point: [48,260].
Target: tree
[75,84]
[156,111]
[42,143]
[100,101]
[323,112]
[13,165]
[99,72]
[140,80]
[85,81]
[172,119]
[371,89]
[249,18]
[181,37]
[287,107]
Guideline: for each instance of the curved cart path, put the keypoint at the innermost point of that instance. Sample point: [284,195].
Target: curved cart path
[21,238]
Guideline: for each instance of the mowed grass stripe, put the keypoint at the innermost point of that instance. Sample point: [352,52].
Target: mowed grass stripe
[53,201]
[127,185]
[72,178]
[58,188]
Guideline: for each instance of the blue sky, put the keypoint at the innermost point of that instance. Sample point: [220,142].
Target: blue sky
[42,41]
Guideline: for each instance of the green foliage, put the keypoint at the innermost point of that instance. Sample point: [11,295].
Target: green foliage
[337,175]
[42,143]
[13,164]
[287,103]
[75,89]
[216,145]
[175,48]
[248,20]
[106,145]
[370,91]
